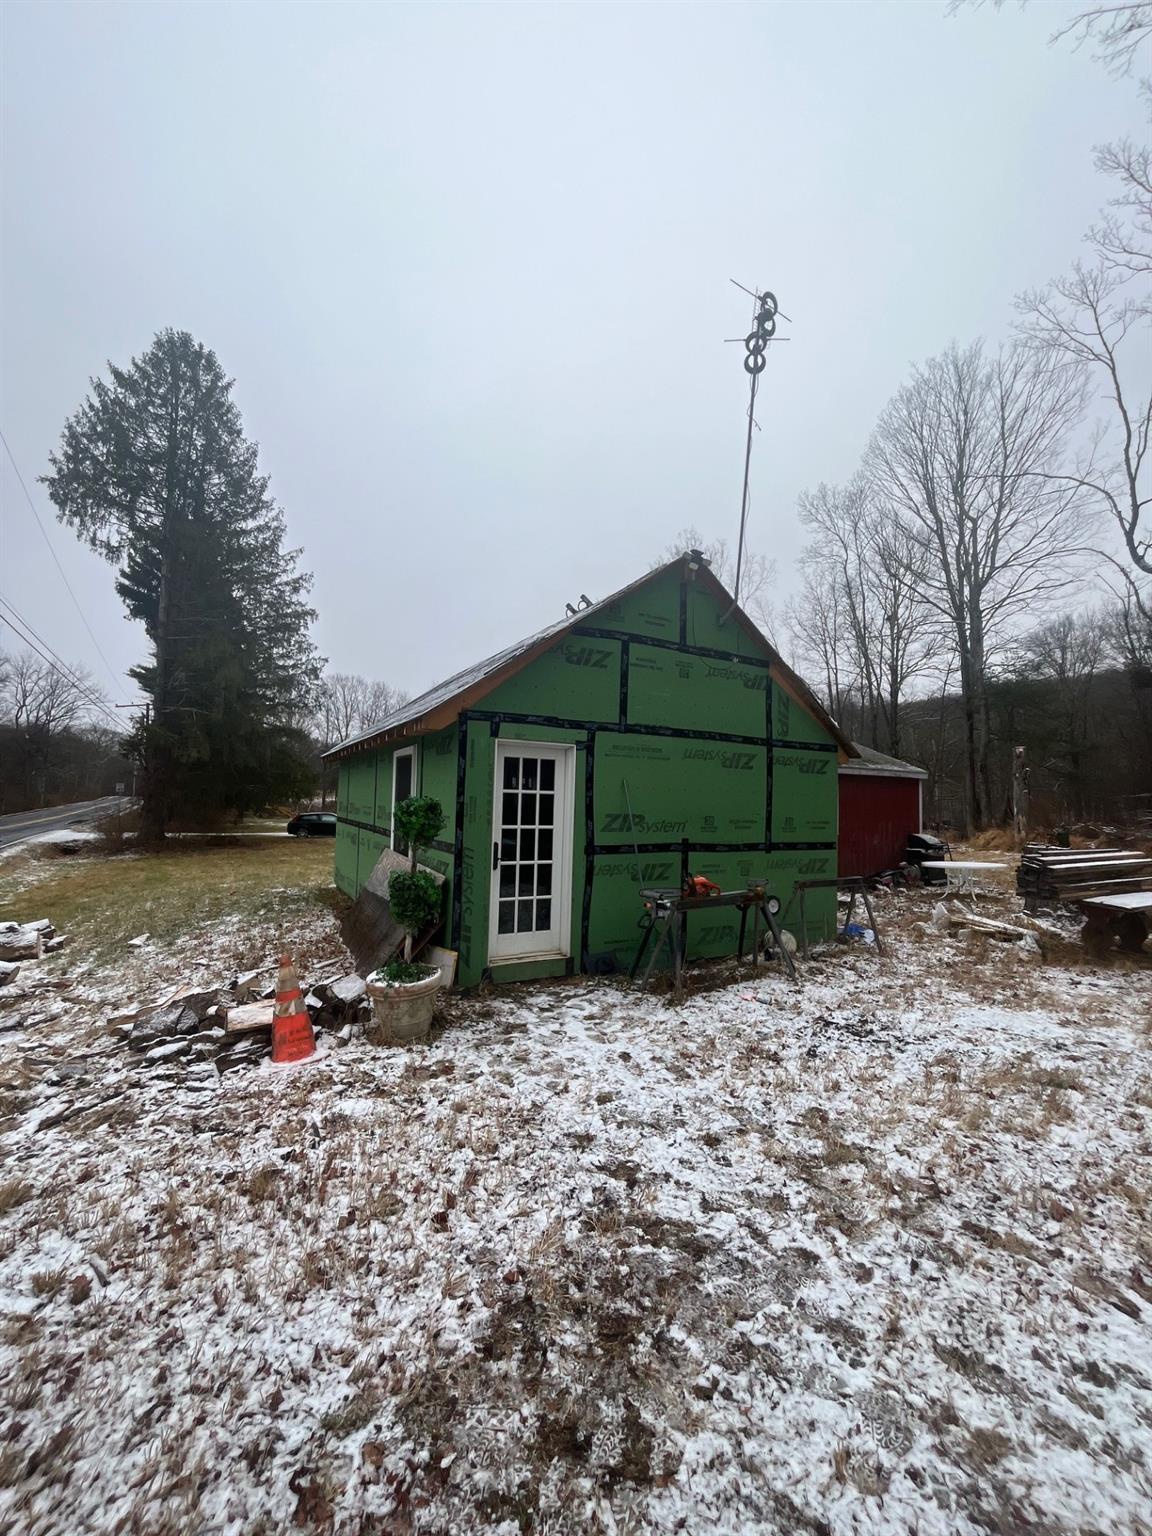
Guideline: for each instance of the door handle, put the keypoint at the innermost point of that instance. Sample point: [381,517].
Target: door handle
[495,855]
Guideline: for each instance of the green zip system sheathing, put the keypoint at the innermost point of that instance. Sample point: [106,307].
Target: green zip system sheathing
[690,757]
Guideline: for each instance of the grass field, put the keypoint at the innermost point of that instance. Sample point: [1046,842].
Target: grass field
[101,902]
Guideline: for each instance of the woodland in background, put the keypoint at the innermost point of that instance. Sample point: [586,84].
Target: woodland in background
[55,746]
[984,580]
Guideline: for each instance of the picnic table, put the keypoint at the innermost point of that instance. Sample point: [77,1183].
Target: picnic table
[965,871]
[1127,916]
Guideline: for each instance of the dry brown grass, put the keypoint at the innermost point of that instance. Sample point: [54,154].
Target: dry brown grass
[14,1192]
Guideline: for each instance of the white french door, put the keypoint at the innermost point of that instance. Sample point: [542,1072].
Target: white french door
[531,851]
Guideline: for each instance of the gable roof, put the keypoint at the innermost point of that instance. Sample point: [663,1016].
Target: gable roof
[876,764]
[439,706]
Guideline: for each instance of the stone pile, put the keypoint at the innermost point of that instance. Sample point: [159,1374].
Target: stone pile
[211,1030]
[26,941]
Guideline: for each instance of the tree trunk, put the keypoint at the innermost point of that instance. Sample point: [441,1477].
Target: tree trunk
[1019,793]
[977,690]
[154,800]
[975,807]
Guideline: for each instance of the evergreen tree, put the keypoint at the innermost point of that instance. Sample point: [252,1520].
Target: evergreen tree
[155,473]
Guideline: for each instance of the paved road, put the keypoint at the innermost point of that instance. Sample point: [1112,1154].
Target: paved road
[25,824]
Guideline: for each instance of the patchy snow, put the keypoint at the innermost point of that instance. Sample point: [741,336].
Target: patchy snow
[63,836]
[865,1254]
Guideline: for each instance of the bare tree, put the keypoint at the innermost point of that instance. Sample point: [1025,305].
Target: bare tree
[38,696]
[1130,638]
[968,456]
[42,703]
[1068,651]
[1124,237]
[1119,33]
[821,644]
[348,703]
[875,573]
[1092,319]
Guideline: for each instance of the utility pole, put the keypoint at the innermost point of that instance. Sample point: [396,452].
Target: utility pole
[147,709]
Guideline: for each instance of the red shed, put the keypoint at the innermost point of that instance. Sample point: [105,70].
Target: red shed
[881,803]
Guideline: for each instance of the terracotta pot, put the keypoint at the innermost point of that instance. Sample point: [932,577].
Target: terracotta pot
[402,1011]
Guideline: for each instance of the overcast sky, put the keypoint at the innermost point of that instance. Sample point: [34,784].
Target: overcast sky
[468,265]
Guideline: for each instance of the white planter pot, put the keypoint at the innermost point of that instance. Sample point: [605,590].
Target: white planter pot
[402,1011]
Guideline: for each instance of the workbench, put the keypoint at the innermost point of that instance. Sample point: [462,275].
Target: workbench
[666,911]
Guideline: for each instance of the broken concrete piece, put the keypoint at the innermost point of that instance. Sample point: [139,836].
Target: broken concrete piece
[248,985]
[42,926]
[180,1015]
[138,942]
[54,945]
[23,944]
[168,1048]
[347,990]
[9,971]
[249,1016]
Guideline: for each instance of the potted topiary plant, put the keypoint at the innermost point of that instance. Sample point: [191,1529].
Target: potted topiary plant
[403,992]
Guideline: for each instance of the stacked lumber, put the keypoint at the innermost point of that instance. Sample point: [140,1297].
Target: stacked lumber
[1051,876]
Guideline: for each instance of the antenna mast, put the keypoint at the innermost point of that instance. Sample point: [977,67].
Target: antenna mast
[755,356]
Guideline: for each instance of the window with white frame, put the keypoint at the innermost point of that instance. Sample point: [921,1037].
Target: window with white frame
[403,785]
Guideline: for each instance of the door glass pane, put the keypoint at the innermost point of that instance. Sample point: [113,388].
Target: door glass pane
[401,789]
[531,765]
[545,850]
[523,916]
[403,777]
[511,773]
[526,871]
[547,773]
[505,922]
[527,845]
[543,879]
[543,915]
[510,806]
[507,846]
[507,879]
[545,817]
[527,810]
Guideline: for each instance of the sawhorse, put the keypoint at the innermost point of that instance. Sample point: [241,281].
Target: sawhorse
[855,885]
[666,911]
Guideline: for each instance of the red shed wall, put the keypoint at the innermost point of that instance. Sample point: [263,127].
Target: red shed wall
[876,816]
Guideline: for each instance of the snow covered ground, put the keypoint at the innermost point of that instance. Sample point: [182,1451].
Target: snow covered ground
[866,1254]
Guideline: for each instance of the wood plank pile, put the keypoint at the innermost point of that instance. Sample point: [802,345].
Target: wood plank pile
[1050,876]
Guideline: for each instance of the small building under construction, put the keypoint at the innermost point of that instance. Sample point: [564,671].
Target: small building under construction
[651,736]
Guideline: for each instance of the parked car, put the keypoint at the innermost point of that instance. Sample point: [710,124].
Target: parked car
[313,824]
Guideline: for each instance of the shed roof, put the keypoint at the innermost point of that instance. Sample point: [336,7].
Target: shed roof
[439,706]
[868,763]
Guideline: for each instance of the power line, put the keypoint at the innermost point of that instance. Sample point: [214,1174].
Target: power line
[59,567]
[32,637]
[34,642]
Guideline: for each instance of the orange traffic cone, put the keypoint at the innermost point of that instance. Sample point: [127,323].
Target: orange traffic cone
[292,1037]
